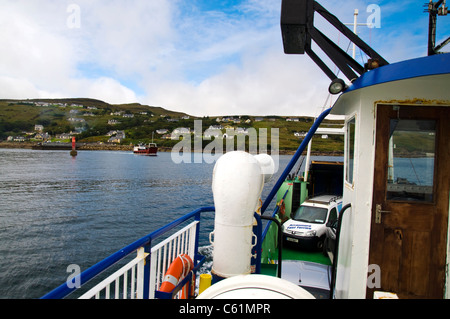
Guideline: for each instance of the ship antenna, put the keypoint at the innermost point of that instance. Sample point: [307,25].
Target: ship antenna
[355,24]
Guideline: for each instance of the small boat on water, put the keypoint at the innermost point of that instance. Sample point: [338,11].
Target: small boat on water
[151,149]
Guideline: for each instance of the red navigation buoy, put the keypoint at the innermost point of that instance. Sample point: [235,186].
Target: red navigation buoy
[73,152]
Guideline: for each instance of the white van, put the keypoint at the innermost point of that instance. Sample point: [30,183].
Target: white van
[307,226]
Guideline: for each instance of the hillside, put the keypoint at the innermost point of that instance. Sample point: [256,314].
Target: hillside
[95,121]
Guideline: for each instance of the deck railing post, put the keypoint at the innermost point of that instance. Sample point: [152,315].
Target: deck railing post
[146,277]
[280,241]
[257,248]
[197,235]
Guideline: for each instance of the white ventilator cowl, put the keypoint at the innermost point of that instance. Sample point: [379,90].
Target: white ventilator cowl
[238,180]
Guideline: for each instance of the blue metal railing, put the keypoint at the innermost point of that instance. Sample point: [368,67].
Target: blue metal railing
[64,290]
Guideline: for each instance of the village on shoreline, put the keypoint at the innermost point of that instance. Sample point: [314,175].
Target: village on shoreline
[97,125]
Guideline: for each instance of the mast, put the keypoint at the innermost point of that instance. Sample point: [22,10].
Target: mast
[355,24]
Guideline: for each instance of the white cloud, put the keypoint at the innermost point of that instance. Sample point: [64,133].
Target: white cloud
[173,54]
[271,84]
[107,87]
[127,37]
[41,54]
[202,63]
[258,78]
[30,51]
[14,87]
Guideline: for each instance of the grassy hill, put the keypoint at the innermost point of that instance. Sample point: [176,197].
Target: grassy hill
[93,119]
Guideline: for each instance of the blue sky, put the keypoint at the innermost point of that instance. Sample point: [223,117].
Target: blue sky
[201,57]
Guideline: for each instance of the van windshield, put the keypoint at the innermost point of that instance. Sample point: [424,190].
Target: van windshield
[310,214]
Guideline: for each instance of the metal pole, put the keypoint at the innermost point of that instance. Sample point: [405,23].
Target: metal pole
[355,23]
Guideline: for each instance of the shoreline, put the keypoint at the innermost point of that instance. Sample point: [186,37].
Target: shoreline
[114,147]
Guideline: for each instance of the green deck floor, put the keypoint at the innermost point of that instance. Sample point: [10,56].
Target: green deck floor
[293,254]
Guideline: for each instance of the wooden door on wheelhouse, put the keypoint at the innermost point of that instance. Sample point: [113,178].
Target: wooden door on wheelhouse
[411,200]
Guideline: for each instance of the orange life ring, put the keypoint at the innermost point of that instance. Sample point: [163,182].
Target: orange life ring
[178,269]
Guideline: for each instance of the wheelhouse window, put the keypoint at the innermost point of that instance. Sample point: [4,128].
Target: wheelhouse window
[411,160]
[350,156]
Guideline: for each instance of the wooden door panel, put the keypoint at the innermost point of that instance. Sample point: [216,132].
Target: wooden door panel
[416,257]
[391,260]
[409,216]
[410,242]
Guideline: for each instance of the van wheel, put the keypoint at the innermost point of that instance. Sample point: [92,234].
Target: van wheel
[320,243]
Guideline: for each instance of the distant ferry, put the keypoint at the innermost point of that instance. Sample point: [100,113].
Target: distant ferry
[151,149]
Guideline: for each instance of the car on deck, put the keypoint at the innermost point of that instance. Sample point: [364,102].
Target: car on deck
[307,226]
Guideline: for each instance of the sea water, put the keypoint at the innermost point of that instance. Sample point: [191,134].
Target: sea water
[57,210]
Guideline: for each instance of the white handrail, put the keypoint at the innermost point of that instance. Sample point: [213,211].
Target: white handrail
[135,292]
[161,256]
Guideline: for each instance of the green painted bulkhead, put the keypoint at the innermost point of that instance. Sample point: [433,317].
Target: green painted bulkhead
[291,194]
[325,177]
